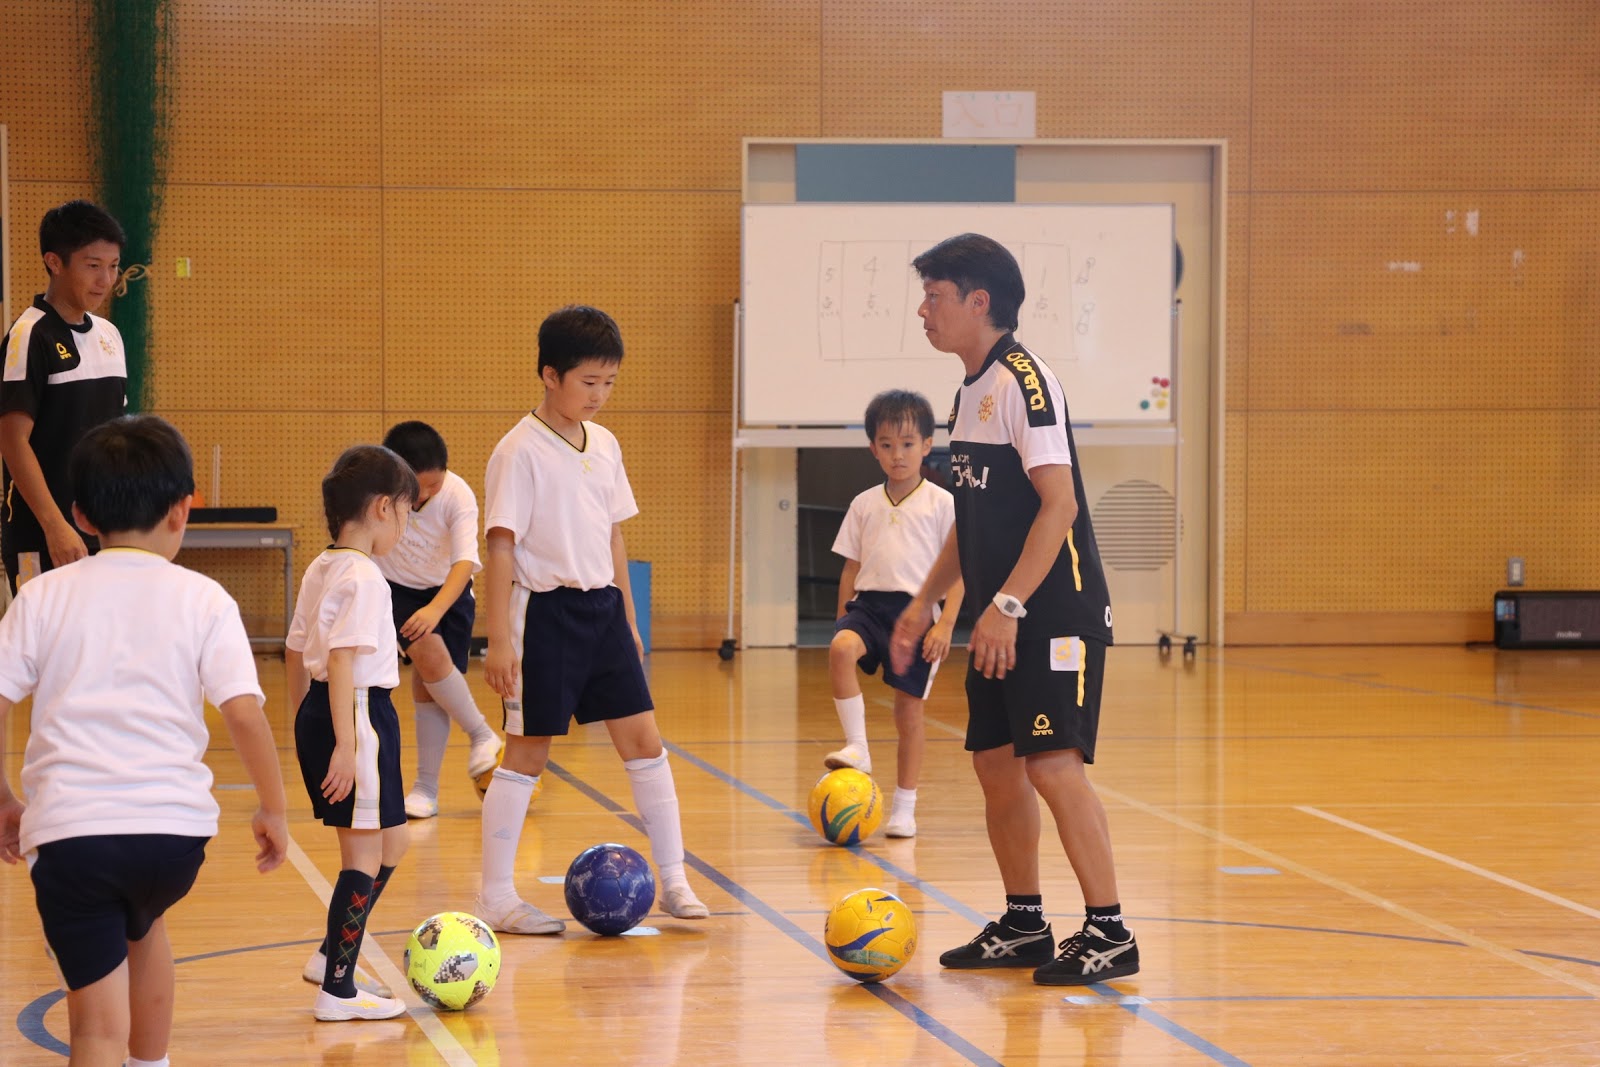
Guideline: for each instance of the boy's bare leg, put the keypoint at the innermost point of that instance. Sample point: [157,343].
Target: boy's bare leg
[152,979]
[1011,812]
[97,1021]
[1081,821]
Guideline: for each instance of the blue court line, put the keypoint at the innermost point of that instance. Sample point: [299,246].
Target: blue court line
[1299,929]
[1393,687]
[1558,956]
[1402,999]
[1167,1026]
[888,996]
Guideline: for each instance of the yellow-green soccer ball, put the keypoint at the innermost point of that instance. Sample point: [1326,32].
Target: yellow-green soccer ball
[845,806]
[870,934]
[452,960]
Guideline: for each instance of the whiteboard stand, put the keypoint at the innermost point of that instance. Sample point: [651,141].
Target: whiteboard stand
[729,642]
[1164,641]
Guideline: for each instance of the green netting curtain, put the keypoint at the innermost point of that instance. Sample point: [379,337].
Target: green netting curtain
[130,46]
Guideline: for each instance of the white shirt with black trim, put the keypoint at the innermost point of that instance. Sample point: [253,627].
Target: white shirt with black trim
[120,652]
[442,533]
[344,603]
[896,543]
[559,501]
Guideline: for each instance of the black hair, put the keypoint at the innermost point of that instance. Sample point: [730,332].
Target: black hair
[576,333]
[361,473]
[127,474]
[419,445]
[894,408]
[973,261]
[77,224]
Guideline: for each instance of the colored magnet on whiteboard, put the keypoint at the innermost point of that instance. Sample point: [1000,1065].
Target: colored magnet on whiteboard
[1144,405]
[1165,382]
[1161,403]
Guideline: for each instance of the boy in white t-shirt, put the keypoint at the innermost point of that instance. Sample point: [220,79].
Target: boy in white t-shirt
[342,668]
[119,651]
[890,537]
[430,581]
[563,641]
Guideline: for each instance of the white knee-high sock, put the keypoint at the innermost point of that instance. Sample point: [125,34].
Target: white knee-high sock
[656,797]
[853,717]
[905,801]
[433,733]
[132,1062]
[505,806]
[455,697]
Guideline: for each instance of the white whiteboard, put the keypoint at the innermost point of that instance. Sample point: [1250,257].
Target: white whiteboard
[830,306]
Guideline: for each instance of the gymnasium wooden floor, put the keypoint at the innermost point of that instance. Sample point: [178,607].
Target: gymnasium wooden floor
[1331,856]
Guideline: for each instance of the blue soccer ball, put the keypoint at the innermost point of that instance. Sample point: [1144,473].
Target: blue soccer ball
[610,888]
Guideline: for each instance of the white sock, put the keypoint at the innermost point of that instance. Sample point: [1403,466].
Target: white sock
[905,801]
[455,697]
[505,806]
[656,797]
[853,717]
[134,1061]
[433,733]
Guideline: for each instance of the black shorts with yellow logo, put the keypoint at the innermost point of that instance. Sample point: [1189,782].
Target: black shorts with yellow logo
[1048,702]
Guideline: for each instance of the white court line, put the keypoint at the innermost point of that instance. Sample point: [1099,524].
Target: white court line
[1463,865]
[1286,864]
[450,1050]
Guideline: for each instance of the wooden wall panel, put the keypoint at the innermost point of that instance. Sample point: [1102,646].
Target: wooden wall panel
[275,92]
[574,94]
[44,91]
[1370,95]
[1132,68]
[462,337]
[282,310]
[1407,301]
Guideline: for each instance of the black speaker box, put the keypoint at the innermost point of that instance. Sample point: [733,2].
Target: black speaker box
[1526,618]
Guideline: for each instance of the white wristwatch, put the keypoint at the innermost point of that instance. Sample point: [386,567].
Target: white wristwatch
[1010,606]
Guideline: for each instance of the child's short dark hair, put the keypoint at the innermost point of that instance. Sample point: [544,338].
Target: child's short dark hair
[895,408]
[77,224]
[127,474]
[361,473]
[419,445]
[973,261]
[575,333]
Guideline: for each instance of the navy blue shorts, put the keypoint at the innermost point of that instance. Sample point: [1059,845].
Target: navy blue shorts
[872,615]
[455,625]
[1048,702]
[578,662]
[95,894]
[378,799]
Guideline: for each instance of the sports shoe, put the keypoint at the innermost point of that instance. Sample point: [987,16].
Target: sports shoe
[317,966]
[332,1009]
[849,756]
[1087,957]
[1000,946]
[520,918]
[680,902]
[900,824]
[420,805]
[484,756]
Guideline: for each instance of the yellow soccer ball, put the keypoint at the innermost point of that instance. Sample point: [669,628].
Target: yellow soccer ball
[845,806]
[870,934]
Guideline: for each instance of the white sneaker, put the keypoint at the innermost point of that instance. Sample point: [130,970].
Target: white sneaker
[484,756]
[901,824]
[317,966]
[849,756]
[420,805]
[332,1009]
[520,918]
[680,902]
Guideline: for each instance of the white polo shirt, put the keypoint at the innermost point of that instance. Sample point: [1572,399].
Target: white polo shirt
[896,544]
[344,603]
[120,652]
[442,533]
[559,502]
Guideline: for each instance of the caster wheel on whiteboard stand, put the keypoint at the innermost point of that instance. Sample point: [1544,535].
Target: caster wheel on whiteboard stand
[1164,646]
[725,650]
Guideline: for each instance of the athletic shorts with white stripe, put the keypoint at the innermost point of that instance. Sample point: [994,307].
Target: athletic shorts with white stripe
[378,797]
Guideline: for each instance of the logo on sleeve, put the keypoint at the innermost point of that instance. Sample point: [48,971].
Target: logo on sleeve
[1041,412]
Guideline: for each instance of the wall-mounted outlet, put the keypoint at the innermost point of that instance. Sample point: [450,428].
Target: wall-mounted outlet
[1514,572]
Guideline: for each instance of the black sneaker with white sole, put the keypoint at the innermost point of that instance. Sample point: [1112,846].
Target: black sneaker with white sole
[1088,957]
[1001,946]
